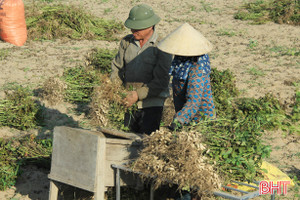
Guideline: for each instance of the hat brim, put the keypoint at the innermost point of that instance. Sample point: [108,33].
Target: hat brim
[142,24]
[185,41]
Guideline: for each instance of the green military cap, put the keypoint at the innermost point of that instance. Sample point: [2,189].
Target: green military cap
[140,17]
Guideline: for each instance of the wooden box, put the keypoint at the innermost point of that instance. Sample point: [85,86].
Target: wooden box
[83,158]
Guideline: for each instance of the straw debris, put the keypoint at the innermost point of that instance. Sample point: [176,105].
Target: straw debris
[53,91]
[177,158]
[168,112]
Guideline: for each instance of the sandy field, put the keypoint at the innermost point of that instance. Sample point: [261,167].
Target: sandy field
[249,51]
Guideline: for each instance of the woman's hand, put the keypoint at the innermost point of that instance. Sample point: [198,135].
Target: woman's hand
[175,125]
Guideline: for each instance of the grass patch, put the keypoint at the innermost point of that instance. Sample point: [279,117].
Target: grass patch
[294,125]
[286,11]
[207,7]
[252,44]
[47,1]
[226,32]
[16,152]
[279,11]
[18,109]
[3,54]
[256,72]
[100,59]
[283,51]
[296,108]
[80,82]
[256,11]
[48,22]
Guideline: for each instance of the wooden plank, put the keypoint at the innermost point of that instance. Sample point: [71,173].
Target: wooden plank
[118,153]
[53,191]
[128,179]
[118,141]
[118,190]
[74,157]
[100,173]
[118,133]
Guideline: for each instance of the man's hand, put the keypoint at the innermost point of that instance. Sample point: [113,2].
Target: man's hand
[131,98]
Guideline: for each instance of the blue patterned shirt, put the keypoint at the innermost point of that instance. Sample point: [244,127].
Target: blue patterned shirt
[191,88]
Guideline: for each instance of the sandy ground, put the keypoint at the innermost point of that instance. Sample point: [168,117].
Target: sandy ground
[247,50]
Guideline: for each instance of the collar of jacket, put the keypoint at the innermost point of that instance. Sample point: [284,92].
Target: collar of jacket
[151,40]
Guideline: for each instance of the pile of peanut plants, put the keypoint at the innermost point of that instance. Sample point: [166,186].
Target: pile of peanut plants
[279,11]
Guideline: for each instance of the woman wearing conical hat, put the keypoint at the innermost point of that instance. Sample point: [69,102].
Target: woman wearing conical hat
[190,69]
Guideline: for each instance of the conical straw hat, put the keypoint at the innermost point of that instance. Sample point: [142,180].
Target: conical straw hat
[185,41]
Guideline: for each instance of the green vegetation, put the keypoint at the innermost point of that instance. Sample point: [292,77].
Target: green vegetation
[82,80]
[226,32]
[279,11]
[293,126]
[47,1]
[207,7]
[47,22]
[265,112]
[282,50]
[116,116]
[16,152]
[18,109]
[224,90]
[256,11]
[235,147]
[3,53]
[100,59]
[252,44]
[286,11]
[80,83]
[296,108]
[234,138]
[256,72]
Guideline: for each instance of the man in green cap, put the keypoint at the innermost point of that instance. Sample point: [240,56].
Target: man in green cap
[140,65]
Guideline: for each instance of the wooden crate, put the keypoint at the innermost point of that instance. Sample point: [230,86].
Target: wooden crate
[83,158]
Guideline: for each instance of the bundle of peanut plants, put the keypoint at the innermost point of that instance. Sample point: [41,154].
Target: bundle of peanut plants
[279,11]
[177,158]
[18,109]
[16,152]
[58,21]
